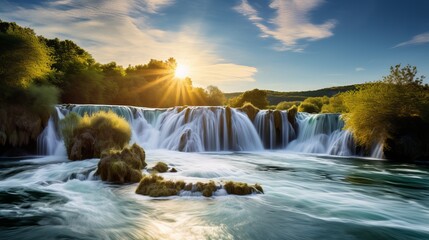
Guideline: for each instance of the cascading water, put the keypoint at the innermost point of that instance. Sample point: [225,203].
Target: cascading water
[274,128]
[196,129]
[322,133]
[49,141]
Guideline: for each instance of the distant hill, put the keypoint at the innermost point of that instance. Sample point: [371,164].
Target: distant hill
[275,97]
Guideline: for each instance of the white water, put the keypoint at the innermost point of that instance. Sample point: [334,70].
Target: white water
[202,129]
[306,197]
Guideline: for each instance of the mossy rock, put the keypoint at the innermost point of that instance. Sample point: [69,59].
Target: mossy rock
[155,186]
[88,136]
[239,188]
[250,110]
[160,167]
[122,166]
[173,170]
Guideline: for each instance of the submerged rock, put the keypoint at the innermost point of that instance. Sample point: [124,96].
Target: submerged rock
[122,166]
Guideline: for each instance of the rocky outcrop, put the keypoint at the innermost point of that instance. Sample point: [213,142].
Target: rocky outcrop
[123,166]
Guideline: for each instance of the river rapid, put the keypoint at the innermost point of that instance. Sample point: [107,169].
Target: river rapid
[306,196]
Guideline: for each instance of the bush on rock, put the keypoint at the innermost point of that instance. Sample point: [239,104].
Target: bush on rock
[122,166]
[88,136]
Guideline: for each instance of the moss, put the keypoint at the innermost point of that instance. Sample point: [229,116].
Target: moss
[239,188]
[155,186]
[122,166]
[88,136]
[160,167]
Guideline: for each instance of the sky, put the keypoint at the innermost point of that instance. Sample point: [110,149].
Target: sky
[238,45]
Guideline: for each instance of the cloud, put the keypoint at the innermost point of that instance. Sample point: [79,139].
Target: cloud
[291,24]
[418,39]
[360,69]
[118,30]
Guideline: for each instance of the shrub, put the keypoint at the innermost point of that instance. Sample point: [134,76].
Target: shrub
[87,136]
[285,105]
[122,166]
[308,107]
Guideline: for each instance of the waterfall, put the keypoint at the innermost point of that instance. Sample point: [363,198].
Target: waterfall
[197,129]
[49,141]
[322,133]
[274,128]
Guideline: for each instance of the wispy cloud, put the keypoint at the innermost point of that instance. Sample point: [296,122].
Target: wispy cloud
[418,39]
[360,69]
[113,31]
[291,24]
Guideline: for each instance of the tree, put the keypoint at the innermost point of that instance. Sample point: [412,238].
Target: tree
[23,57]
[375,109]
[215,96]
[257,97]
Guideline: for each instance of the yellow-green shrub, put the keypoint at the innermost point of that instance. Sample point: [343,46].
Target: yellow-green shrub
[87,136]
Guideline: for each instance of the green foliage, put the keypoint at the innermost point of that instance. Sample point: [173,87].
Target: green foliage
[308,107]
[257,97]
[286,105]
[313,104]
[375,107]
[275,97]
[336,105]
[215,96]
[23,57]
[87,136]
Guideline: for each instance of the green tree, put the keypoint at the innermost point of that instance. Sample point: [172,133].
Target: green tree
[215,96]
[23,57]
[375,108]
[256,97]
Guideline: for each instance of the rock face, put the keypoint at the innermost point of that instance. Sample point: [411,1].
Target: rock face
[408,141]
[250,110]
[122,166]
[19,129]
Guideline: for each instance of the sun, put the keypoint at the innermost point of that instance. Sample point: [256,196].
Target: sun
[181,71]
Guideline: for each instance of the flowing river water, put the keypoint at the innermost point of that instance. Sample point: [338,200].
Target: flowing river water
[315,186]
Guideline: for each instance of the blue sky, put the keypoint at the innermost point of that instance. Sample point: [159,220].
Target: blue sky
[238,45]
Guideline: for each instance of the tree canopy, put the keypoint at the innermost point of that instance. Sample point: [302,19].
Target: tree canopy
[256,97]
[374,108]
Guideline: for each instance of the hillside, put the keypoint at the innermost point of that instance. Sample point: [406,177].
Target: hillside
[275,97]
